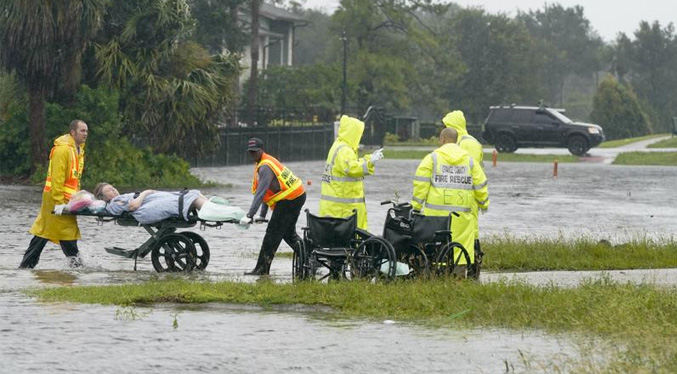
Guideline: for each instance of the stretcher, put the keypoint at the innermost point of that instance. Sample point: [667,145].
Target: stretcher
[170,251]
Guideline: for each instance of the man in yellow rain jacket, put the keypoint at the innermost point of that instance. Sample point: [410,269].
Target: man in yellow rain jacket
[448,180]
[456,121]
[343,178]
[66,163]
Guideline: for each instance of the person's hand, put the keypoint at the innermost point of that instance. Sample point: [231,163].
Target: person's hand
[377,155]
[246,221]
[259,219]
[58,209]
[483,210]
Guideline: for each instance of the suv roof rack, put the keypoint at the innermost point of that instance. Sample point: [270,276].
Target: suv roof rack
[514,106]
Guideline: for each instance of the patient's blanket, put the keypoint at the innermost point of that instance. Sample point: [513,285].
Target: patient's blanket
[218,209]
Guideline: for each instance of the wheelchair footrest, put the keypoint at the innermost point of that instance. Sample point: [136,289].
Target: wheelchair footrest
[129,253]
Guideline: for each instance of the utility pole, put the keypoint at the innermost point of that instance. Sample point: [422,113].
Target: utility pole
[344,90]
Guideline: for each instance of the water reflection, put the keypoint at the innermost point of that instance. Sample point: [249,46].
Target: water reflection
[55,277]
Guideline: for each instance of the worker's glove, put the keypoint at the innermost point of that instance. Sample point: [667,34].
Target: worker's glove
[58,209]
[377,155]
[483,210]
[260,219]
[246,221]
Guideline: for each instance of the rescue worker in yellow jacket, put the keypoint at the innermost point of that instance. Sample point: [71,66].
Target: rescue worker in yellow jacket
[456,121]
[279,189]
[449,180]
[343,178]
[66,164]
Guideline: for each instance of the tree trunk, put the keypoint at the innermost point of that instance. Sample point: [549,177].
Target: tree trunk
[36,108]
[236,82]
[254,68]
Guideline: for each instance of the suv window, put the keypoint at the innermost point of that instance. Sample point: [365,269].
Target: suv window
[500,115]
[522,116]
[560,116]
[543,118]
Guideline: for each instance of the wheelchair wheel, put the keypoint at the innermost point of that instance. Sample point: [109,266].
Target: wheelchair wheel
[418,262]
[374,258]
[299,260]
[201,249]
[449,258]
[173,253]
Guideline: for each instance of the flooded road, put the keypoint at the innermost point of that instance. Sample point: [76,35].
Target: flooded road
[598,201]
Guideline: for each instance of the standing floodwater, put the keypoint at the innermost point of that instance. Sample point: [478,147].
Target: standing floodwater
[597,201]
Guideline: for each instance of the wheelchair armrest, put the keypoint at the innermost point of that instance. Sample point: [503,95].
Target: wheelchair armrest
[363,234]
[443,233]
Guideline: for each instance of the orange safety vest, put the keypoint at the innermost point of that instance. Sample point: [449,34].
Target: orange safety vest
[72,184]
[291,186]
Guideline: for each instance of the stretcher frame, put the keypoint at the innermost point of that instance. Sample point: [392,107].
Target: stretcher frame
[170,251]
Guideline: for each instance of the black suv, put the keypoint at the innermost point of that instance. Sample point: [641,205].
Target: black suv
[511,127]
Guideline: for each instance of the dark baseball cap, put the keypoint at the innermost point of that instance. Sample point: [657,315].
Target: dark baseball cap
[254,144]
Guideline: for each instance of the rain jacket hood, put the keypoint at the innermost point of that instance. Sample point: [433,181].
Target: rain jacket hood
[67,140]
[350,131]
[452,152]
[456,120]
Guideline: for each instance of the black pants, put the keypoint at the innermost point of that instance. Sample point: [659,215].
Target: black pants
[32,255]
[474,269]
[282,225]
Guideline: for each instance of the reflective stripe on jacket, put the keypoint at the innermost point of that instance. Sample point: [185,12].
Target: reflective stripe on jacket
[291,186]
[343,178]
[447,180]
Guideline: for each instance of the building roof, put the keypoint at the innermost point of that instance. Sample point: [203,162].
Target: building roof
[278,14]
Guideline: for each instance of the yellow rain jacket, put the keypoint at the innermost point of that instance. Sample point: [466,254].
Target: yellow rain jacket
[65,168]
[448,180]
[342,181]
[456,120]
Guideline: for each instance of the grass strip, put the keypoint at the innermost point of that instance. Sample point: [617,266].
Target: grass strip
[665,143]
[440,302]
[510,254]
[580,254]
[502,157]
[647,158]
[622,142]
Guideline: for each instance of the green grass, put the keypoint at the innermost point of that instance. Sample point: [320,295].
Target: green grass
[666,143]
[502,157]
[510,254]
[647,158]
[622,142]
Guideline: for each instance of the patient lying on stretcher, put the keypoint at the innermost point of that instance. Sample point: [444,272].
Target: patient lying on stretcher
[151,206]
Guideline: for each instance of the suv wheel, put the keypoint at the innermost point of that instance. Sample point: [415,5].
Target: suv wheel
[505,143]
[578,145]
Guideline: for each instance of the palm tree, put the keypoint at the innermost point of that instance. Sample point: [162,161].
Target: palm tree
[42,41]
[174,91]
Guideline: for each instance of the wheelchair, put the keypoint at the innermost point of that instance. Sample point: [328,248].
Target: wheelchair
[334,248]
[422,242]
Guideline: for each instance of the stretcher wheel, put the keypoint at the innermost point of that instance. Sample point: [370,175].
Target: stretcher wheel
[173,253]
[449,258]
[374,258]
[298,270]
[201,248]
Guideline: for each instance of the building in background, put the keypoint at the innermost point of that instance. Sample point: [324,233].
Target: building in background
[277,28]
